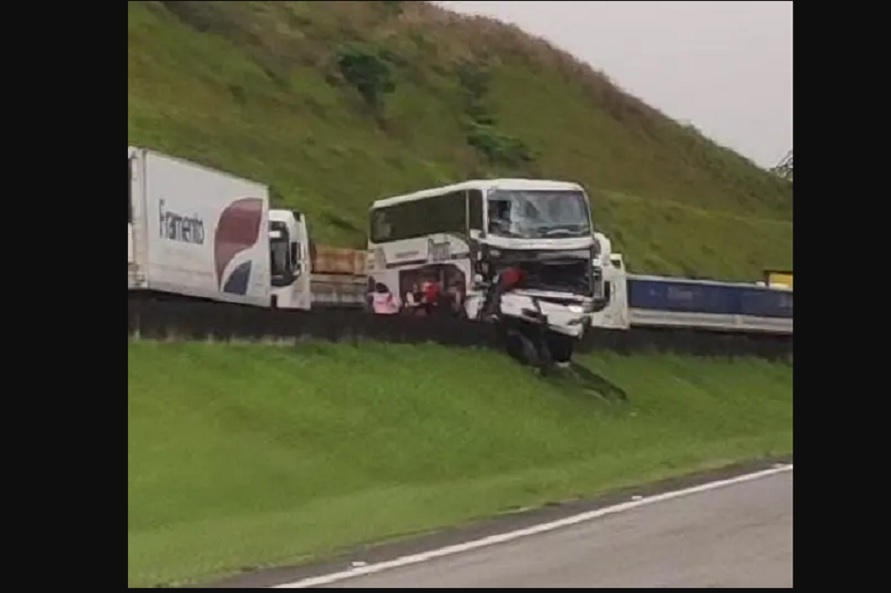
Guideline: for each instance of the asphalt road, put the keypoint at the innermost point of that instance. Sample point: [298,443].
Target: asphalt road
[735,536]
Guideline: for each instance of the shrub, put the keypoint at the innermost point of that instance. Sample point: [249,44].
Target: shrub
[369,73]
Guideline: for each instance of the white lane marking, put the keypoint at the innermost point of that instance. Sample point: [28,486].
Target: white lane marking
[534,530]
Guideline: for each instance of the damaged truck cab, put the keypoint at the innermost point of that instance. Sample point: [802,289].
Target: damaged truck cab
[463,236]
[544,229]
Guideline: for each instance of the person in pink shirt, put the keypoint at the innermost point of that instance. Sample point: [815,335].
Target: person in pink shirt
[384,302]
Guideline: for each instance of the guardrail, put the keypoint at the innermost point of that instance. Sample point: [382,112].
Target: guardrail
[222,321]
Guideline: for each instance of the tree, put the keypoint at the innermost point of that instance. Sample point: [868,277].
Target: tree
[784,167]
[363,68]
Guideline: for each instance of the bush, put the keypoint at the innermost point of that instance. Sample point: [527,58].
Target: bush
[498,148]
[391,8]
[367,72]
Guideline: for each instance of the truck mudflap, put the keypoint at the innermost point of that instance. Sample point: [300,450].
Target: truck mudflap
[567,320]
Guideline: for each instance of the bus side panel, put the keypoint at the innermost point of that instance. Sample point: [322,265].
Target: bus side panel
[401,266]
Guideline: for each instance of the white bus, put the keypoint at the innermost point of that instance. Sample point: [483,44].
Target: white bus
[459,236]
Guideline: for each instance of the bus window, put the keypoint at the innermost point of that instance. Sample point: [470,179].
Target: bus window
[380,225]
[446,213]
[475,209]
[418,218]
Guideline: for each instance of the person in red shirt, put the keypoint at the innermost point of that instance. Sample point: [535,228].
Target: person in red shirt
[429,295]
[507,279]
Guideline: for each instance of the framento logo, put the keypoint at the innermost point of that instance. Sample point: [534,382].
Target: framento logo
[237,230]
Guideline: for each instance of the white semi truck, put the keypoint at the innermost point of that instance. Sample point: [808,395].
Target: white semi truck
[200,233]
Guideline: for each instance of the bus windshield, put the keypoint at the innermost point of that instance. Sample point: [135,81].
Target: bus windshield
[537,214]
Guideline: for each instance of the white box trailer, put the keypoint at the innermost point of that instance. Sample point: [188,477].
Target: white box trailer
[196,232]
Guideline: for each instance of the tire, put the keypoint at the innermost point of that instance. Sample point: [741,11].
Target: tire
[561,348]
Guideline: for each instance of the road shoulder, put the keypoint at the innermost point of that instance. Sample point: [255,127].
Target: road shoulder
[416,544]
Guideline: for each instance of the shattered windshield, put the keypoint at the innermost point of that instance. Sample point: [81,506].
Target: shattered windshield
[538,214]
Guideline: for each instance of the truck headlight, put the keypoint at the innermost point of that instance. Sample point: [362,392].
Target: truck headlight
[576,309]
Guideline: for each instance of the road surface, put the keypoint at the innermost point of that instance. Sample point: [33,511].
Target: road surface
[734,536]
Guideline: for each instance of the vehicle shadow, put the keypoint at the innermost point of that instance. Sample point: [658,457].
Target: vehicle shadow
[591,382]
[580,379]
[572,375]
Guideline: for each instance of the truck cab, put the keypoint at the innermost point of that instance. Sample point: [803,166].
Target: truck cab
[289,260]
[614,314]
[600,261]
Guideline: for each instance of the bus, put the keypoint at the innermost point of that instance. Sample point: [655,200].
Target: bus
[457,237]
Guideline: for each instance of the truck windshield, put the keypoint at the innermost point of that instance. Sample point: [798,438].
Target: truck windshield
[279,252]
[537,214]
[279,258]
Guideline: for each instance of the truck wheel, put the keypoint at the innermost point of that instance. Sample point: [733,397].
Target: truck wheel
[561,348]
[520,346]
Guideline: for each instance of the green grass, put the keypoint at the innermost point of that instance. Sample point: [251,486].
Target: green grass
[253,88]
[252,455]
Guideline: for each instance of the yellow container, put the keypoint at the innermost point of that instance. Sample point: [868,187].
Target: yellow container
[778,278]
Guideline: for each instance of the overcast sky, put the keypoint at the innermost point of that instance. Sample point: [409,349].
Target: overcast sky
[725,67]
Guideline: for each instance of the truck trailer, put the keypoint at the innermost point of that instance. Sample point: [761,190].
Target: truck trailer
[199,233]
[648,301]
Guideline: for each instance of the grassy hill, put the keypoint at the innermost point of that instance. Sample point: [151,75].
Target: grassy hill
[335,104]
[248,455]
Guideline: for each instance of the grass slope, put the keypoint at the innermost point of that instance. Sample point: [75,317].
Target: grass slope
[255,88]
[249,455]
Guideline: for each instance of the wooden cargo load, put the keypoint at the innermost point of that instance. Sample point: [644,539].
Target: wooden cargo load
[338,260]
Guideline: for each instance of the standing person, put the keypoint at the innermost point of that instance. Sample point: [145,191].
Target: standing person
[455,296]
[383,302]
[430,290]
[414,299]
[505,280]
